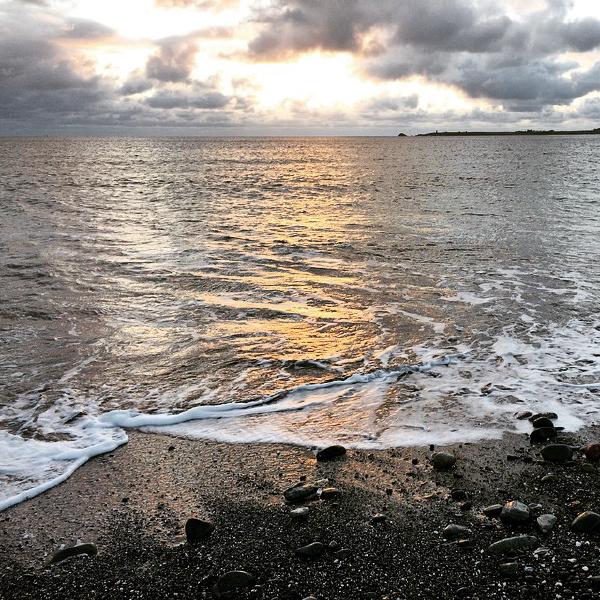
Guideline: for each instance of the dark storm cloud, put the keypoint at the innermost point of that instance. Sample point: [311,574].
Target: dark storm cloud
[472,45]
[187,99]
[173,61]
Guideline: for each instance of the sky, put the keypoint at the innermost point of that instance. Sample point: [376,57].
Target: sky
[297,67]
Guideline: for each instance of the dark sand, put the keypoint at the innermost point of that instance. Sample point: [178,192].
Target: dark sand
[133,504]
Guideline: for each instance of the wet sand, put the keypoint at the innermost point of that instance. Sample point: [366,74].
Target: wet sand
[134,502]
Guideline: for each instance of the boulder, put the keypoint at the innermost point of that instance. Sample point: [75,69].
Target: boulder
[541,434]
[233,582]
[329,493]
[493,511]
[592,452]
[543,422]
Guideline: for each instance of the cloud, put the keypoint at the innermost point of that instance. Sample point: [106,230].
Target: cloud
[187,99]
[474,46]
[174,60]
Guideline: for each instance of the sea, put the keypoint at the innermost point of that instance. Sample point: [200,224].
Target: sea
[371,292]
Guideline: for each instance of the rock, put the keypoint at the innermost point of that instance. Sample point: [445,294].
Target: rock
[525,414]
[546,523]
[549,478]
[378,518]
[466,506]
[300,513]
[329,493]
[588,467]
[592,452]
[300,492]
[90,549]
[197,530]
[493,510]
[233,581]
[466,544]
[309,598]
[547,415]
[539,436]
[511,569]
[442,461]
[456,532]
[458,495]
[515,512]
[557,453]
[543,422]
[330,453]
[311,550]
[513,545]
[586,522]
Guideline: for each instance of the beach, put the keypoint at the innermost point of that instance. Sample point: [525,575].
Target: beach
[382,531]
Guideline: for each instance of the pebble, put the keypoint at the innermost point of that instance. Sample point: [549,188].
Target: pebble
[548,415]
[300,513]
[329,493]
[442,461]
[557,453]
[549,478]
[592,452]
[300,492]
[586,522]
[314,549]
[456,532]
[458,495]
[378,518]
[233,581]
[588,467]
[512,545]
[542,434]
[510,569]
[330,453]
[493,510]
[546,523]
[525,414]
[90,549]
[197,529]
[543,422]
[515,512]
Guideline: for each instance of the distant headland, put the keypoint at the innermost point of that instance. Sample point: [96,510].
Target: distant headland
[519,132]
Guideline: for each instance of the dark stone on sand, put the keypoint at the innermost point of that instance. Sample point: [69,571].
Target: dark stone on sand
[329,493]
[378,518]
[443,461]
[511,569]
[300,492]
[524,415]
[233,581]
[458,495]
[311,550]
[540,435]
[543,422]
[513,545]
[456,532]
[300,513]
[588,467]
[466,506]
[557,453]
[586,522]
[515,512]
[493,511]
[546,523]
[90,549]
[197,530]
[592,452]
[547,415]
[549,478]
[330,453]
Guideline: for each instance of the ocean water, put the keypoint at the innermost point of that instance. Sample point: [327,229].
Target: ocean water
[374,292]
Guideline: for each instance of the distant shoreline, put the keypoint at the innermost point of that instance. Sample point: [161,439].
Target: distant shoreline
[505,133]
